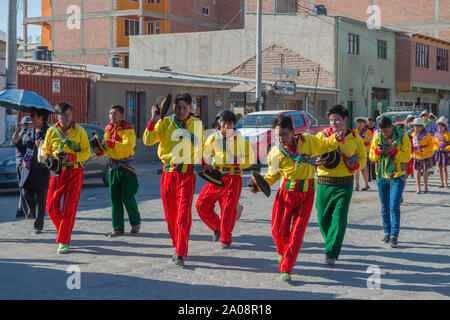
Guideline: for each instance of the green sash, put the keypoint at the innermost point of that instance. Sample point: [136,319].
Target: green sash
[66,141]
[387,161]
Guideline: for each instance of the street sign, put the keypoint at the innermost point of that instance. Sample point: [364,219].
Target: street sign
[286,72]
[285,87]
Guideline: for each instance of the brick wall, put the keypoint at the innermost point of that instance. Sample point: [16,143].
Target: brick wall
[272,57]
[393,12]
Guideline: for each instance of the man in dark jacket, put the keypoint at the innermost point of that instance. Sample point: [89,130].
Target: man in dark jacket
[35,176]
[22,208]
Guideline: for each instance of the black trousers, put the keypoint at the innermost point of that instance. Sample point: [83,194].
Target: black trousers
[22,205]
[36,201]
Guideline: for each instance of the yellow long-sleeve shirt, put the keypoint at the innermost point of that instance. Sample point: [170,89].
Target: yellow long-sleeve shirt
[446,137]
[425,149]
[366,138]
[353,146]
[121,141]
[179,149]
[300,178]
[76,134]
[402,154]
[231,158]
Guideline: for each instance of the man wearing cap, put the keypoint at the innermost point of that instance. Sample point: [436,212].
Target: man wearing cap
[391,149]
[366,136]
[230,153]
[22,208]
[423,153]
[442,150]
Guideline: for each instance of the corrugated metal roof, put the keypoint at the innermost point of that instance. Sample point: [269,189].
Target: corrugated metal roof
[113,72]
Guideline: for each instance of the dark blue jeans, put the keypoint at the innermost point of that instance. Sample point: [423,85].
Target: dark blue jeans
[390,196]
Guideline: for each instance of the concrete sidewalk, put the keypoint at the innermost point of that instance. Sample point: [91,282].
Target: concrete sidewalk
[140,267]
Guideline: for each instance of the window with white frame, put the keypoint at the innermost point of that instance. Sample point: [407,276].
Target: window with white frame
[131,27]
[422,55]
[205,11]
[153,27]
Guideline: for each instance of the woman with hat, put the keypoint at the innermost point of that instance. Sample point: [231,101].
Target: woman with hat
[391,148]
[35,176]
[335,184]
[442,150]
[293,159]
[228,153]
[423,153]
[428,124]
[366,135]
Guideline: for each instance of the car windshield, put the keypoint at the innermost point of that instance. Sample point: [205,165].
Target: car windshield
[256,120]
[7,144]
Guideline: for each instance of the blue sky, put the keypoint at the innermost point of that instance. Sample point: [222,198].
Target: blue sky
[34,10]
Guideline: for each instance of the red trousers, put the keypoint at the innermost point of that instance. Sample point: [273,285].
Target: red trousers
[68,184]
[228,197]
[177,194]
[290,208]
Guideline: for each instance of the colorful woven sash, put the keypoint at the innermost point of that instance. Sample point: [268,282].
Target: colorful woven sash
[441,142]
[416,140]
[386,166]
[65,141]
[127,164]
[226,146]
[297,158]
[181,125]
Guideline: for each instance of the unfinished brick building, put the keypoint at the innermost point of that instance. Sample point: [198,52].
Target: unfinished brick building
[82,31]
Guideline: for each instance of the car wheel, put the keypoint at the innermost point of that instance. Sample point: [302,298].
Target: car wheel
[106,178]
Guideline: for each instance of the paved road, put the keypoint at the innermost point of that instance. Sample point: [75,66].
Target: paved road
[140,267]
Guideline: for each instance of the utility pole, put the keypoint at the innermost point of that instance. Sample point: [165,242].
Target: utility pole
[259,56]
[11,45]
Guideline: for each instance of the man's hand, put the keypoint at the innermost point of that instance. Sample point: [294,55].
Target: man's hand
[16,137]
[389,146]
[319,162]
[154,111]
[252,189]
[340,136]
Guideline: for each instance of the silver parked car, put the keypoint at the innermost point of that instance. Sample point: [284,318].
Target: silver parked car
[94,167]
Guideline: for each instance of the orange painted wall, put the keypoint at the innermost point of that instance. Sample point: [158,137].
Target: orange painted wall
[46,31]
[162,7]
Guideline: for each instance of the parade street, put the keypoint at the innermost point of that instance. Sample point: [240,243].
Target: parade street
[139,267]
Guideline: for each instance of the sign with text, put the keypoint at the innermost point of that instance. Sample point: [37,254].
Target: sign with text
[286,72]
[285,87]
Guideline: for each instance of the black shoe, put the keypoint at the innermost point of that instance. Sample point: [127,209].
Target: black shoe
[179,261]
[386,239]
[394,242]
[20,214]
[37,231]
[216,236]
